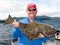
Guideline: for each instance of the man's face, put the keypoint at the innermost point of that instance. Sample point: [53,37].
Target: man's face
[32,12]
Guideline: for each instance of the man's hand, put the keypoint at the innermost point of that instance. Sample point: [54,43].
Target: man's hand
[15,24]
[41,35]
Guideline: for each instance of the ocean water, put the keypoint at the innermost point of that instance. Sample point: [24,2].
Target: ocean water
[5,34]
[54,22]
[5,30]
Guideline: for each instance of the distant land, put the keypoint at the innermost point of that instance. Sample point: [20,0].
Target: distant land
[41,17]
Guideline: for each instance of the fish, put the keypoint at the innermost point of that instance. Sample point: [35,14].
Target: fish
[33,29]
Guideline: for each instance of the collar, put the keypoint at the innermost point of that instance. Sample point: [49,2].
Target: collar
[33,19]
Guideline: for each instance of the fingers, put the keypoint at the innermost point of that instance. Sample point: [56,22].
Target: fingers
[15,20]
[15,23]
[41,35]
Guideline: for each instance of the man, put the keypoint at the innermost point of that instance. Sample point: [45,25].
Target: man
[18,34]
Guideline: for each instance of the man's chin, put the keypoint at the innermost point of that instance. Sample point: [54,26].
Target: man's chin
[32,16]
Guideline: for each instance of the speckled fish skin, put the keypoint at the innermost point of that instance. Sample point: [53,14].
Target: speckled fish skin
[33,29]
[9,20]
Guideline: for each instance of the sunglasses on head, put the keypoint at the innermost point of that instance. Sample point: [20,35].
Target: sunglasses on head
[32,10]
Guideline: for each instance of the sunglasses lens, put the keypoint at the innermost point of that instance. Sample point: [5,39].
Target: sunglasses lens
[32,10]
[29,10]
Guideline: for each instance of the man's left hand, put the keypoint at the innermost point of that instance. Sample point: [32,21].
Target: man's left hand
[41,35]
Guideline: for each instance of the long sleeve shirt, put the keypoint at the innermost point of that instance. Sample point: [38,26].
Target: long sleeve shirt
[22,39]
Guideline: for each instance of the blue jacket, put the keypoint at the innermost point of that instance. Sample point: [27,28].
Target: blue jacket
[22,39]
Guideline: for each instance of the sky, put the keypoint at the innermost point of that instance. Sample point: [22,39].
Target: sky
[17,8]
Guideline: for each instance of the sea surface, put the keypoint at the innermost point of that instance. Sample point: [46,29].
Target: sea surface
[5,31]
[5,34]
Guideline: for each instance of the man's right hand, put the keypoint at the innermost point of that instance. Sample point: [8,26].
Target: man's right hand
[15,24]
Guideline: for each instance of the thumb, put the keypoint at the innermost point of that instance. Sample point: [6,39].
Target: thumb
[15,20]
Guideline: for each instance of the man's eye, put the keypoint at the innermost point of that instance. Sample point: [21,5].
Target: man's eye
[29,10]
[34,9]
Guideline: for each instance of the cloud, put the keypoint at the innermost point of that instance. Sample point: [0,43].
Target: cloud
[18,7]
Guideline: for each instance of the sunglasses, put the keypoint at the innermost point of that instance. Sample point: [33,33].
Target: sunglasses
[32,10]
